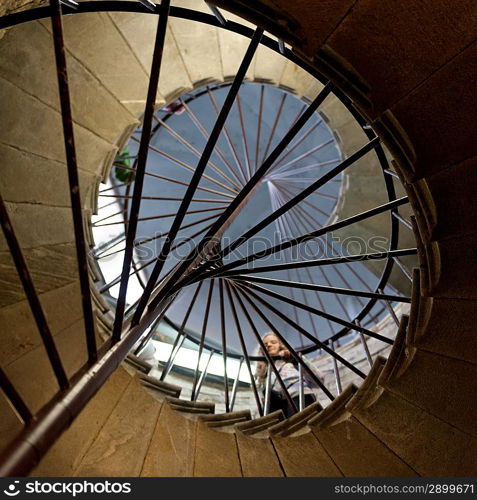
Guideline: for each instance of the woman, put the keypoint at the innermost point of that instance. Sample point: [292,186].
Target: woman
[287,369]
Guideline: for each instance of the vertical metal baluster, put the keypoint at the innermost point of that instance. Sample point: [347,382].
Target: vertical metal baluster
[217,14]
[244,349]
[264,349]
[180,334]
[14,397]
[172,357]
[244,137]
[202,337]
[259,128]
[390,309]
[202,164]
[224,344]
[336,371]
[141,167]
[75,196]
[203,375]
[32,296]
[301,400]
[268,391]
[235,386]
[403,268]
[365,345]
[152,329]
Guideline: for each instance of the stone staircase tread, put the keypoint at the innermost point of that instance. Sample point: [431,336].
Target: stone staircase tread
[226,423]
[139,366]
[334,409]
[261,423]
[190,406]
[162,387]
[221,420]
[224,417]
[295,422]
[367,389]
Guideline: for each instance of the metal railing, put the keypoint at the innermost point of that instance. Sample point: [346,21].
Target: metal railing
[239,287]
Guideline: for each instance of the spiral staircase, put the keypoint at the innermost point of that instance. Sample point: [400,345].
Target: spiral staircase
[407,69]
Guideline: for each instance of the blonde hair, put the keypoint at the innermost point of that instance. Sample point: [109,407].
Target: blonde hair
[261,369]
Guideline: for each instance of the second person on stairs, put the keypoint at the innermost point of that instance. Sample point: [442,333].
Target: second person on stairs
[288,371]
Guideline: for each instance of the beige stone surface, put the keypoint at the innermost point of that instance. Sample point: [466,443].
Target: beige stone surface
[95,41]
[297,78]
[120,448]
[430,446]
[39,225]
[232,50]
[357,452]
[24,128]
[171,452]
[33,69]
[10,424]
[439,319]
[454,402]
[29,178]
[50,267]
[257,456]
[199,49]
[62,308]
[32,374]
[175,78]
[268,65]
[66,454]
[303,456]
[216,453]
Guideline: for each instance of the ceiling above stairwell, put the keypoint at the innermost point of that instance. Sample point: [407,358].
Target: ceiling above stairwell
[259,119]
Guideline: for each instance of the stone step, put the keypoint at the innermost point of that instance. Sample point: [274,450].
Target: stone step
[162,388]
[65,455]
[138,363]
[171,450]
[225,421]
[258,457]
[355,450]
[31,372]
[198,46]
[123,441]
[34,71]
[437,318]
[190,407]
[92,38]
[35,127]
[216,453]
[260,425]
[303,456]
[297,422]
[407,430]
